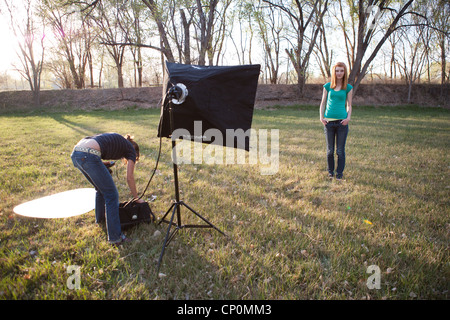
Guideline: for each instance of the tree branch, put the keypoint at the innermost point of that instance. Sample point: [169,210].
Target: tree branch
[131,44]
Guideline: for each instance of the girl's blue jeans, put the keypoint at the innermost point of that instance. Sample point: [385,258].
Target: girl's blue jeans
[107,195]
[336,136]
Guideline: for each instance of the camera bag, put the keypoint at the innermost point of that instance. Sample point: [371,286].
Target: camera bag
[133,213]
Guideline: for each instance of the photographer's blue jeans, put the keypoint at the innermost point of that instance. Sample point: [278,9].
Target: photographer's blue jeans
[107,195]
[336,135]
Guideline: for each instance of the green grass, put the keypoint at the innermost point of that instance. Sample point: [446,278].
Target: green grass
[292,235]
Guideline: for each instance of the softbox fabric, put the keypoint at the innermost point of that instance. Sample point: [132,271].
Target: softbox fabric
[221,97]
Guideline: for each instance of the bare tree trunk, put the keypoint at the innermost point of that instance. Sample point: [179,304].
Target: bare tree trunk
[350,43]
[443,59]
[365,33]
[270,28]
[91,69]
[25,32]
[187,37]
[101,70]
[299,56]
[206,29]
[165,44]
[324,57]
[119,76]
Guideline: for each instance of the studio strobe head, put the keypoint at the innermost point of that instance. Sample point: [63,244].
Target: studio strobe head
[178,92]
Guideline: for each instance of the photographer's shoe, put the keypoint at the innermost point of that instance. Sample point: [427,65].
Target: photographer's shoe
[123,240]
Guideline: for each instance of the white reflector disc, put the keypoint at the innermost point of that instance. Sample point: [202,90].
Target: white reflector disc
[60,205]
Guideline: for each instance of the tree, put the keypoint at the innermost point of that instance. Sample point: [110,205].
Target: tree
[109,17]
[241,17]
[157,12]
[346,17]
[133,20]
[74,36]
[31,45]
[440,20]
[412,55]
[205,29]
[367,25]
[203,17]
[181,22]
[305,18]
[270,28]
[323,55]
[393,40]
[220,27]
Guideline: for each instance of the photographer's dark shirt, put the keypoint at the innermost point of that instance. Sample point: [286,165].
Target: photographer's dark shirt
[114,146]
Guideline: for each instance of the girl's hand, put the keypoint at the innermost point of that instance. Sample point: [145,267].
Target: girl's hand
[324,122]
[345,122]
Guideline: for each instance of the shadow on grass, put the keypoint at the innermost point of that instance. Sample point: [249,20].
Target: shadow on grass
[292,237]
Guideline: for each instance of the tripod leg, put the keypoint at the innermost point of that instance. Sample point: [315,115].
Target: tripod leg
[175,205]
[172,235]
[167,212]
[198,215]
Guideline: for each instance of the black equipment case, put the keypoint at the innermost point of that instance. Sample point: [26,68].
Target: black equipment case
[133,213]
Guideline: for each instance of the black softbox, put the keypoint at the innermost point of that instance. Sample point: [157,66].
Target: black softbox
[221,97]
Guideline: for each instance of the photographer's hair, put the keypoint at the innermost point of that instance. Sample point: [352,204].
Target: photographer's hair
[333,76]
[135,145]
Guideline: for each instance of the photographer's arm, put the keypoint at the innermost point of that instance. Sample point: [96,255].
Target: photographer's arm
[130,180]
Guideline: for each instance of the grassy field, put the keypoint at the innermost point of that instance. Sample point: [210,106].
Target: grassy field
[292,235]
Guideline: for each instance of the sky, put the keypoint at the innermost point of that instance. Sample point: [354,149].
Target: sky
[9,46]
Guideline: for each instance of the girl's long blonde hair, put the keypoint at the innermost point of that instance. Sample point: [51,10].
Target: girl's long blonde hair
[333,76]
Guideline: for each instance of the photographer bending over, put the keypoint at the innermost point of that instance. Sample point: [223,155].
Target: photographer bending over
[87,156]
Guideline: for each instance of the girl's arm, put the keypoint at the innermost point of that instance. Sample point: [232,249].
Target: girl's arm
[349,108]
[130,180]
[322,106]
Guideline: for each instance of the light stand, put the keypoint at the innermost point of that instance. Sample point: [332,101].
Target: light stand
[175,93]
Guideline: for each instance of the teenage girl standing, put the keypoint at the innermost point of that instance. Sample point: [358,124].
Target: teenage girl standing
[335,114]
